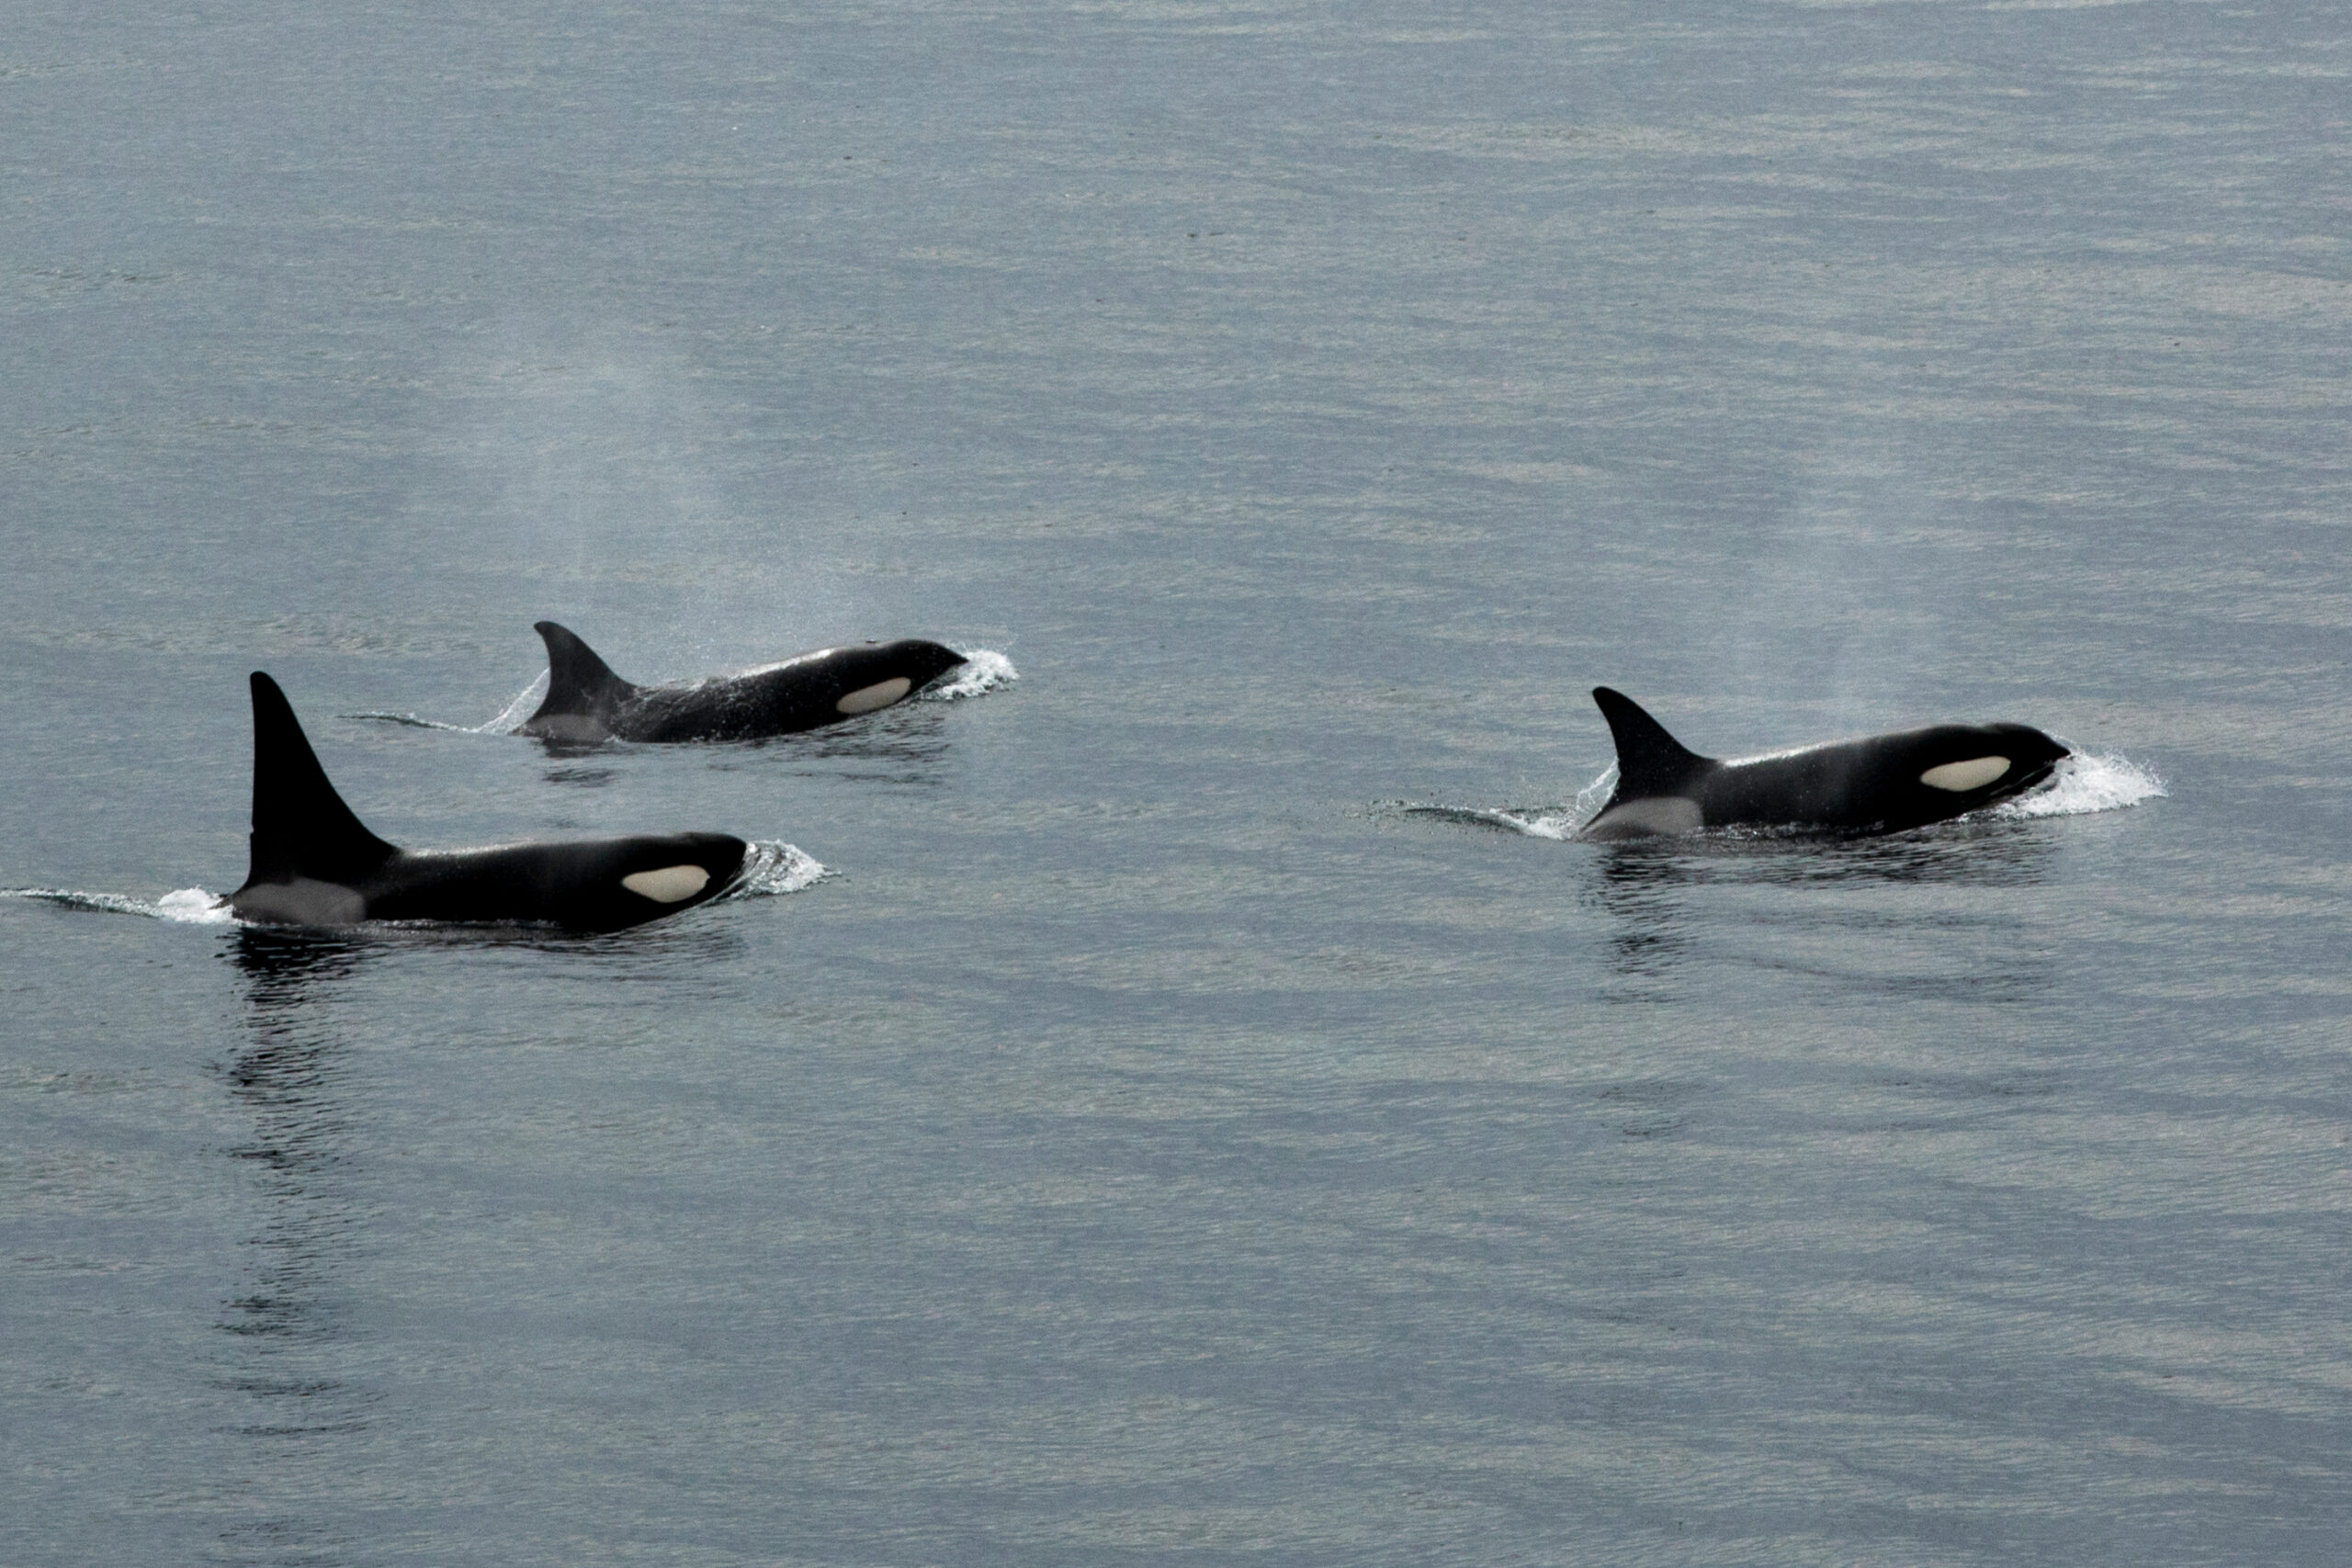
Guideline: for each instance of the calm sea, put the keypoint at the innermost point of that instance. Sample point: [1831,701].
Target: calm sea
[1151,1139]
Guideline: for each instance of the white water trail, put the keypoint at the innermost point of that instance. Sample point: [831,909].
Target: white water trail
[186,905]
[983,670]
[2085,781]
[772,868]
[510,717]
[1554,822]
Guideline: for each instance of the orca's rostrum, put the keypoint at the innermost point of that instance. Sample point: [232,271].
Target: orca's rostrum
[1880,784]
[314,864]
[586,702]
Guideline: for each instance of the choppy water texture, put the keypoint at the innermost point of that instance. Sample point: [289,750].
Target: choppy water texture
[1142,1141]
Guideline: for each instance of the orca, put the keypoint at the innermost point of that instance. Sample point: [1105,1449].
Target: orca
[315,865]
[1882,784]
[586,702]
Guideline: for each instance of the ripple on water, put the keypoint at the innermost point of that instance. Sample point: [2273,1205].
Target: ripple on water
[188,906]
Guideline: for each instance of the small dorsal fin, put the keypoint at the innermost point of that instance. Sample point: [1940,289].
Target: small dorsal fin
[1649,760]
[578,681]
[301,828]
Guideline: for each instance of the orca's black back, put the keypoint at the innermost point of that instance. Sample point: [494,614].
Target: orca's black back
[1874,784]
[577,886]
[803,695]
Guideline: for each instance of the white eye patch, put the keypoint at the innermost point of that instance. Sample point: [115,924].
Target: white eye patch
[881,695]
[1975,773]
[668,885]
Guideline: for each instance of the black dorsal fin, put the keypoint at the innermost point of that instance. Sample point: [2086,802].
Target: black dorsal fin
[578,681]
[1649,760]
[301,828]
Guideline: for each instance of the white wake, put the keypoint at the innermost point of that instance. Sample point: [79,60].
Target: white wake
[187,906]
[509,718]
[772,868]
[2085,781]
[1556,822]
[983,670]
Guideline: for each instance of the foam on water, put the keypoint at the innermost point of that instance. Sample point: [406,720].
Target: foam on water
[508,720]
[526,703]
[1534,823]
[186,906]
[774,867]
[2085,782]
[983,670]
[1556,822]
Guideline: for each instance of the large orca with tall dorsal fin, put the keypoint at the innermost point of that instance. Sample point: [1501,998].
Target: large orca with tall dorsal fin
[1882,784]
[314,864]
[586,702]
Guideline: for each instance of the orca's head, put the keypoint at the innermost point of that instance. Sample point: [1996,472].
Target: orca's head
[1962,766]
[883,673]
[926,661]
[626,882]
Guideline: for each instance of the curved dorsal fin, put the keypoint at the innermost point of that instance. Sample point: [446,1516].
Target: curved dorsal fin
[301,828]
[578,681]
[1649,760]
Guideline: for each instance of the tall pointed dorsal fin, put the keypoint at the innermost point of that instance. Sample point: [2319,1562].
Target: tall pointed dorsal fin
[1649,760]
[578,681]
[301,828]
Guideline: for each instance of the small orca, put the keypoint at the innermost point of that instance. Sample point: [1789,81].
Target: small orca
[586,702]
[315,865]
[1882,784]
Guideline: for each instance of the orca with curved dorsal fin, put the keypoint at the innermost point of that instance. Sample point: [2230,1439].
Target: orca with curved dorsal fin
[1882,784]
[314,864]
[586,702]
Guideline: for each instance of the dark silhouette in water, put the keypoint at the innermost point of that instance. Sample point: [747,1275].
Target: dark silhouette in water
[586,702]
[314,864]
[1880,784]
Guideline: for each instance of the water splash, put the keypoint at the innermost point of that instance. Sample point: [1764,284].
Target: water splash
[186,905]
[983,670]
[772,868]
[1534,822]
[527,701]
[2085,781]
[1554,822]
[510,717]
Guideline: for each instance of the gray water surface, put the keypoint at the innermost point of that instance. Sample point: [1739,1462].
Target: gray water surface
[1155,1141]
